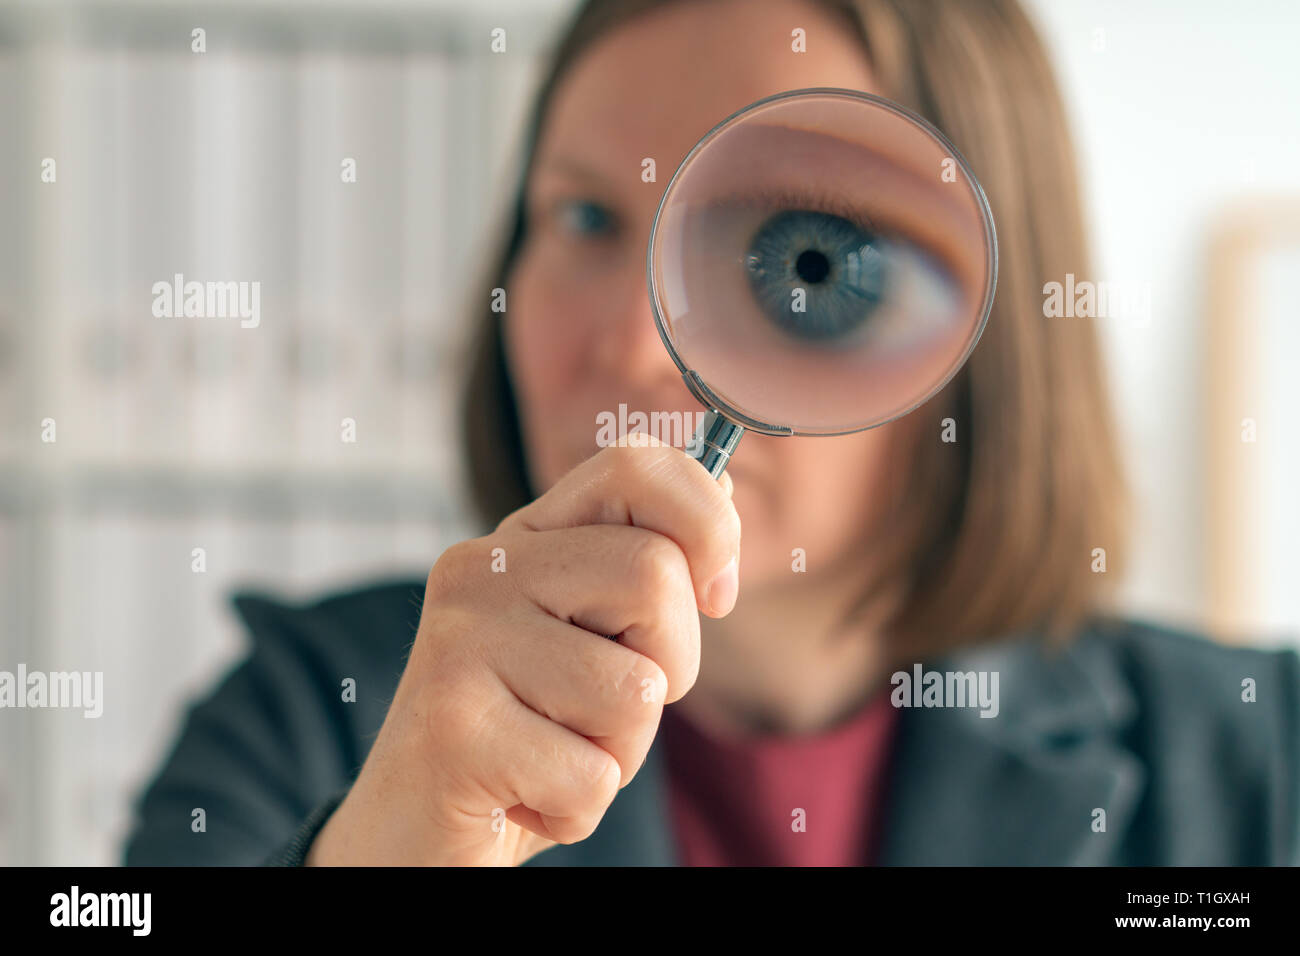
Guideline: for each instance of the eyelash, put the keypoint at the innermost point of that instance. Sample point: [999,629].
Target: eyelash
[829,203]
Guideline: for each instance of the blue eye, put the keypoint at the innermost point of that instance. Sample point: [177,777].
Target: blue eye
[586,218]
[841,269]
[824,270]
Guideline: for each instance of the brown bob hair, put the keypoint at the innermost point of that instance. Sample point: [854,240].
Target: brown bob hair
[995,533]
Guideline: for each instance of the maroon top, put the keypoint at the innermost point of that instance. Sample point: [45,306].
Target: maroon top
[734,802]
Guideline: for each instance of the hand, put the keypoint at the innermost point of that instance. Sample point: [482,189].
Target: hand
[515,723]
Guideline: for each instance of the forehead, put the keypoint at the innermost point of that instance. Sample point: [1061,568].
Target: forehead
[657,83]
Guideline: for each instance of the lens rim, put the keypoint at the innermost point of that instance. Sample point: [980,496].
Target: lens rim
[692,377]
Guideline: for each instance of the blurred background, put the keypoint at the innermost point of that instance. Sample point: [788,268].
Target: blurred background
[175,435]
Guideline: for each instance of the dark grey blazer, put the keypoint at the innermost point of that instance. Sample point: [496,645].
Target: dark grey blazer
[1144,722]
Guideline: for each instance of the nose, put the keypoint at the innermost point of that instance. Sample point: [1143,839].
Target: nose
[628,348]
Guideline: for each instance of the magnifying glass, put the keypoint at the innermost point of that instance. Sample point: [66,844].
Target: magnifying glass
[822,262]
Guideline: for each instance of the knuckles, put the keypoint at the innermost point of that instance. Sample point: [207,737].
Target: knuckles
[646,683]
[449,573]
[601,786]
[634,691]
[465,566]
[658,569]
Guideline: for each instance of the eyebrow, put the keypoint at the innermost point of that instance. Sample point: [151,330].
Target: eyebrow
[573,168]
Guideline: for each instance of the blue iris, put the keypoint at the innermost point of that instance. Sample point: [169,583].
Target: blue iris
[839,266]
[587,218]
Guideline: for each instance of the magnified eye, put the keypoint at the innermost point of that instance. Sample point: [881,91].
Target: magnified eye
[822,261]
[823,274]
[817,276]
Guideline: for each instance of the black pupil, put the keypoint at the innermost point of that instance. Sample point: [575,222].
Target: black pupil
[812,266]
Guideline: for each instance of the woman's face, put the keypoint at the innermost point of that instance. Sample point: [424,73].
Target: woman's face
[580,334]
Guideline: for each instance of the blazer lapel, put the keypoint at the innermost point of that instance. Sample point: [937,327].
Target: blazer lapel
[1022,787]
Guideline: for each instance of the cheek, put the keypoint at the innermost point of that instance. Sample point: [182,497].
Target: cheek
[539,354]
[543,347]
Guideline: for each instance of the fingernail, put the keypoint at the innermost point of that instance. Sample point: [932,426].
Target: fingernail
[723,589]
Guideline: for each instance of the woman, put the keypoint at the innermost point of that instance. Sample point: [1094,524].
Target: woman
[508,732]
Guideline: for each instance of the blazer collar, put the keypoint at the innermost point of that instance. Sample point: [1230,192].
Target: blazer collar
[1023,787]
[1019,788]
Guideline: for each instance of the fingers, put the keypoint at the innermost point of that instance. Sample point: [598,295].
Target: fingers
[656,487]
[631,543]
[608,693]
[613,579]
[547,778]
[563,589]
